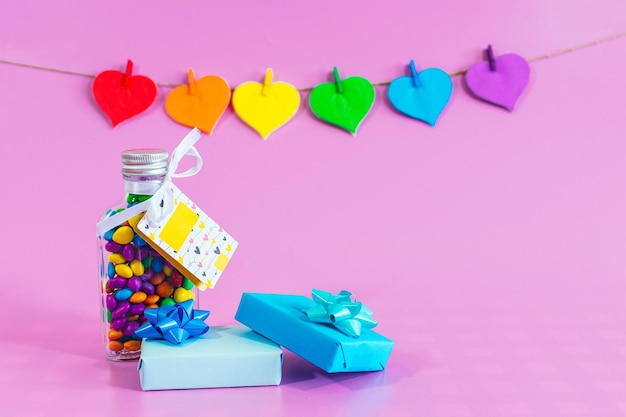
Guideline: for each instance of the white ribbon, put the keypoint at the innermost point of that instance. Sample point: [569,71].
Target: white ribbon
[161,204]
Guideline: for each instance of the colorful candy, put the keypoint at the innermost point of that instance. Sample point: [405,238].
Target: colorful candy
[123,294]
[134,284]
[165,289]
[123,270]
[138,297]
[135,278]
[182,294]
[137,267]
[123,235]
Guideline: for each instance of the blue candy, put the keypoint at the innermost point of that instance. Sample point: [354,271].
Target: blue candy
[111,270]
[157,265]
[123,294]
[109,235]
[138,241]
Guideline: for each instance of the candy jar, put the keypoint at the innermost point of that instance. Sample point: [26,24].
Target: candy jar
[133,275]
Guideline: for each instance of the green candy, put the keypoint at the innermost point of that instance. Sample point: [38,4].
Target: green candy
[187,284]
[137,198]
[146,261]
[109,317]
[167,302]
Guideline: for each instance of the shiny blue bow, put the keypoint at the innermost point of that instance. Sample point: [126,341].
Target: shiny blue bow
[346,314]
[174,323]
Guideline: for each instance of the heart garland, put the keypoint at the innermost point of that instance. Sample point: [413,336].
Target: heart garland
[267,106]
[201,103]
[344,103]
[423,95]
[122,95]
[499,81]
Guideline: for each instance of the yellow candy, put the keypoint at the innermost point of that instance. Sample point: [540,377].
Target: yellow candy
[134,220]
[123,271]
[182,294]
[117,258]
[137,267]
[167,270]
[124,235]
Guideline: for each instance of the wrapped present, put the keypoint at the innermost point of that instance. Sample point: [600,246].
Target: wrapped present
[226,356]
[331,331]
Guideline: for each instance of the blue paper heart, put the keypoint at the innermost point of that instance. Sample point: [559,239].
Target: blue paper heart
[423,95]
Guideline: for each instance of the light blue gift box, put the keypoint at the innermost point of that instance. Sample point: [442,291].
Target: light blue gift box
[226,356]
[281,319]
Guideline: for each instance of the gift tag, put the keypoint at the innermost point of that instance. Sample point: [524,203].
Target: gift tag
[189,239]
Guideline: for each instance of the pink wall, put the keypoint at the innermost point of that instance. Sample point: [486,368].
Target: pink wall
[491,247]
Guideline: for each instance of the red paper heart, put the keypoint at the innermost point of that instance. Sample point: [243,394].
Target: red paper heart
[121,95]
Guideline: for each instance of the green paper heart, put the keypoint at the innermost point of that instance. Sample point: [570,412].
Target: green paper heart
[344,103]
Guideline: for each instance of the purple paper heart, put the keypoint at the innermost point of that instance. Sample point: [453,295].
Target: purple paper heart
[502,86]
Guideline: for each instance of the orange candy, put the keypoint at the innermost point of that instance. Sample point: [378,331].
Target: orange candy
[152,299]
[115,346]
[157,278]
[164,289]
[115,334]
[132,345]
[133,317]
[138,297]
[149,306]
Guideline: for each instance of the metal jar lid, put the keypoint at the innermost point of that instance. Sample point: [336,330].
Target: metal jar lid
[144,162]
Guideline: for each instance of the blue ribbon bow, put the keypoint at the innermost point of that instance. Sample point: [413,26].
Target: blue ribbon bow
[342,311]
[174,323]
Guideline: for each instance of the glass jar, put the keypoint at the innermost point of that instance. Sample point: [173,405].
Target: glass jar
[133,275]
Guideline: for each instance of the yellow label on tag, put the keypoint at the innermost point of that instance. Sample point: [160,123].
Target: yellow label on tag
[179,226]
[189,239]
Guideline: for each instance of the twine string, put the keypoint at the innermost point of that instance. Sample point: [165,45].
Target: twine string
[379,83]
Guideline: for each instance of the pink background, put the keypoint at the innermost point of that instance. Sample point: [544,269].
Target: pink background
[491,247]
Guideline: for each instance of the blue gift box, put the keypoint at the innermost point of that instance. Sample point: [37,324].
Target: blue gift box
[226,356]
[281,319]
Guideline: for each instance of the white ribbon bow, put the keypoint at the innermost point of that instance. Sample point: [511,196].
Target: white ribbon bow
[161,204]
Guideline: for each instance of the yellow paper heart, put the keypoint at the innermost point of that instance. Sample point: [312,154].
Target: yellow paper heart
[266,107]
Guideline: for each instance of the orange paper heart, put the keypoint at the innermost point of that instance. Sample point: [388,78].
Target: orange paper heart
[201,103]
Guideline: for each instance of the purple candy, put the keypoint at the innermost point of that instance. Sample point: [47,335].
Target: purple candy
[117,282]
[130,328]
[137,308]
[148,288]
[134,284]
[112,247]
[111,302]
[118,324]
[142,252]
[155,254]
[147,274]
[121,310]
[128,252]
